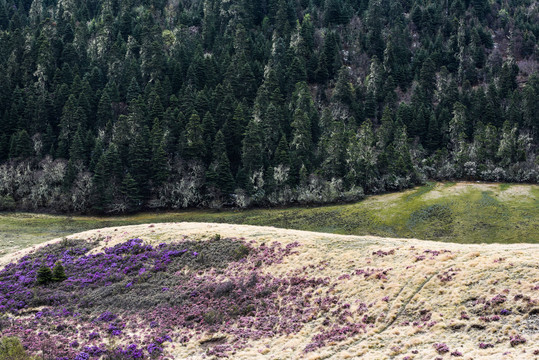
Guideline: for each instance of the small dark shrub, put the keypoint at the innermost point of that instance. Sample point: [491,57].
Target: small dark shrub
[241,252]
[248,310]
[44,275]
[212,317]
[58,272]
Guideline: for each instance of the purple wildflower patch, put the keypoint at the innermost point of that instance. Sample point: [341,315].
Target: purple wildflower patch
[220,287]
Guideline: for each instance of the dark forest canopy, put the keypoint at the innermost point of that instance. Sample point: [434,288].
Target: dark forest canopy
[114,106]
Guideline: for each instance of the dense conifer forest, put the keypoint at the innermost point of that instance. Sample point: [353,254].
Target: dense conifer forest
[115,106]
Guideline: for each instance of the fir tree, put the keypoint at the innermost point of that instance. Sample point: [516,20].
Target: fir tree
[334,151]
[133,91]
[78,150]
[219,172]
[233,130]
[252,148]
[21,145]
[140,153]
[44,275]
[195,147]
[159,165]
[208,130]
[104,110]
[58,272]
[282,155]
[130,191]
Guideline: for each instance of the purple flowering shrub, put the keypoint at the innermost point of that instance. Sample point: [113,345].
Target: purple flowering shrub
[141,297]
[517,340]
[441,348]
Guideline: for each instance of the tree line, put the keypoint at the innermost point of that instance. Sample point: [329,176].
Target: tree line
[115,106]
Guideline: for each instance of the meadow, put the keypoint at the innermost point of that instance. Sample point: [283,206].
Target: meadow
[449,212]
[203,290]
[187,285]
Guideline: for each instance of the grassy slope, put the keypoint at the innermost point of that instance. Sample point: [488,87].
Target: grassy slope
[430,284]
[456,212]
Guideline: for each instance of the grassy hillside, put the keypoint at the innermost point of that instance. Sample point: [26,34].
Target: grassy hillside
[456,212]
[259,292]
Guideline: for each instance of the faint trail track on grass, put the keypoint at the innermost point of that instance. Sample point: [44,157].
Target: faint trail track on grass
[407,302]
[343,347]
[397,296]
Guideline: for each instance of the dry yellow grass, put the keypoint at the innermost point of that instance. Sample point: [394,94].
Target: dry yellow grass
[414,288]
[512,192]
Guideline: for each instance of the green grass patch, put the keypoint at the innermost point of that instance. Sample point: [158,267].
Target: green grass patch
[475,215]
[422,190]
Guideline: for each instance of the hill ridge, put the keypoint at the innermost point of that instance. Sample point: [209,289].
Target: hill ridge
[414,298]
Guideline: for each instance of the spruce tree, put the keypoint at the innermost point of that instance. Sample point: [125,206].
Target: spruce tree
[297,72]
[130,191]
[4,147]
[362,157]
[160,170]
[322,72]
[427,79]
[233,130]
[69,176]
[333,151]
[343,88]
[195,147]
[133,91]
[140,154]
[401,162]
[302,138]
[58,272]
[271,126]
[208,130]
[99,185]
[252,148]
[48,140]
[78,150]
[434,134]
[104,110]
[220,174]
[307,35]
[44,275]
[155,105]
[282,153]
[4,20]
[21,145]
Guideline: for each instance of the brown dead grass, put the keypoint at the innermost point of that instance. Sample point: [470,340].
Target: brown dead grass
[411,285]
